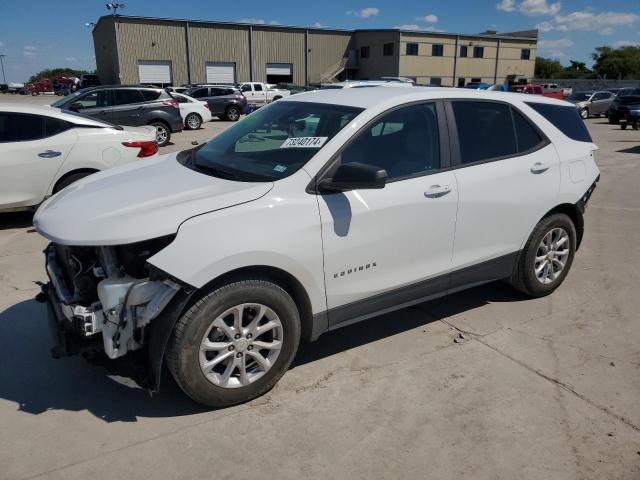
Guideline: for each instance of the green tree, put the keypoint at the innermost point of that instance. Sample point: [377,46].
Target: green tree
[547,68]
[56,72]
[576,70]
[619,63]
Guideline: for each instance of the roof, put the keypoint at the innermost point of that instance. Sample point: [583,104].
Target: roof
[371,97]
[529,35]
[50,112]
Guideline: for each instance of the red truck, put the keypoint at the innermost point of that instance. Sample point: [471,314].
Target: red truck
[535,90]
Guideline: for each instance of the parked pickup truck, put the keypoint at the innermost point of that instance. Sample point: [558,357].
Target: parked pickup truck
[536,90]
[257,92]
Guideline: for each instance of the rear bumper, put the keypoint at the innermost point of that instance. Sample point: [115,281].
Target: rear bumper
[584,200]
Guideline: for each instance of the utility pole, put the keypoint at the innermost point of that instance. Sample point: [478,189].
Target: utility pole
[4,79]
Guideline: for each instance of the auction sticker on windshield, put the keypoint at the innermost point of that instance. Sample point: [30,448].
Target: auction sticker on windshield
[304,142]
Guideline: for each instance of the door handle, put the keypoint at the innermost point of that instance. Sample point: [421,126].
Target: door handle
[539,167]
[49,154]
[436,191]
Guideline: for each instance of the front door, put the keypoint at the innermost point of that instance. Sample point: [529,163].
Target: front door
[392,246]
[508,175]
[96,104]
[32,150]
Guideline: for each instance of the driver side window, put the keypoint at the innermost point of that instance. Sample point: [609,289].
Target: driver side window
[405,142]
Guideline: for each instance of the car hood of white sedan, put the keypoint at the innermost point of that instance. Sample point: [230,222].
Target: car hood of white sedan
[138,201]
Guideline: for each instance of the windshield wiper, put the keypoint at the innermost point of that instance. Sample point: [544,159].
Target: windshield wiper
[218,172]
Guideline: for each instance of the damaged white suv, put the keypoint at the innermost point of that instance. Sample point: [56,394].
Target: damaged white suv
[314,212]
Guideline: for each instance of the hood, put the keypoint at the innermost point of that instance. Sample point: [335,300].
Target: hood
[136,202]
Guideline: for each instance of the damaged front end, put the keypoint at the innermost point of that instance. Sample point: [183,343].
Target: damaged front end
[104,301]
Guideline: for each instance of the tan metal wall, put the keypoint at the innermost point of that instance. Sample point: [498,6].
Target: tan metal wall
[213,43]
[424,66]
[377,65]
[104,43]
[277,46]
[326,50]
[151,40]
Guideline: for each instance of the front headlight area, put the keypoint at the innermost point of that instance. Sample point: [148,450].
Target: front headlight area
[111,291]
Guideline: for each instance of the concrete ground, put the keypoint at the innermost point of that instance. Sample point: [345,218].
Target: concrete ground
[484,384]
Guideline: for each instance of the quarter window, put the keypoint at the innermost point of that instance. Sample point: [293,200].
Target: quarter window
[405,142]
[150,95]
[437,50]
[565,119]
[387,49]
[54,126]
[485,130]
[478,52]
[412,49]
[527,137]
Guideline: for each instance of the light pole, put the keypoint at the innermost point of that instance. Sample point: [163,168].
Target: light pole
[114,6]
[4,79]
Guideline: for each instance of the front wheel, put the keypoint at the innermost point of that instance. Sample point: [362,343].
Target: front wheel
[547,257]
[235,343]
[163,134]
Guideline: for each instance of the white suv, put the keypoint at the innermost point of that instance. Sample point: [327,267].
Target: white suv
[317,211]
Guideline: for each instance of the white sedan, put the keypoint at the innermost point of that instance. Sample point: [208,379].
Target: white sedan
[43,150]
[194,112]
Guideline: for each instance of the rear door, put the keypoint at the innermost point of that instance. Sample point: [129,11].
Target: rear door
[128,107]
[508,176]
[32,150]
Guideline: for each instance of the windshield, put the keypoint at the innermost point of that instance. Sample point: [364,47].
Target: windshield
[579,96]
[64,100]
[271,143]
[632,92]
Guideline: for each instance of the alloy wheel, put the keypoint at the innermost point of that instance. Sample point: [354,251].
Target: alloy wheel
[241,345]
[233,114]
[551,255]
[161,134]
[193,122]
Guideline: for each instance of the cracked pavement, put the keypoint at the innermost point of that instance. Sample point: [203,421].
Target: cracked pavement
[483,383]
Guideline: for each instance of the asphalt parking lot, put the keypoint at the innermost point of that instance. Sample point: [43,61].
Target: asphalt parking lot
[483,384]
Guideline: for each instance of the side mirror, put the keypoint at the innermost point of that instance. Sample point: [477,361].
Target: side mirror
[354,176]
[75,107]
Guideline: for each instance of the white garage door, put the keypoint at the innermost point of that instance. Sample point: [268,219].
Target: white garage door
[279,69]
[155,71]
[221,72]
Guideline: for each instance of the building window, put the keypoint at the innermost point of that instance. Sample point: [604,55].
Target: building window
[437,50]
[387,49]
[525,54]
[463,51]
[436,81]
[364,52]
[412,49]
[476,80]
[478,52]
[461,81]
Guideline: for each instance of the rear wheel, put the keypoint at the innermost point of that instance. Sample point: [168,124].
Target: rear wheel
[232,113]
[235,343]
[547,257]
[193,121]
[66,181]
[163,134]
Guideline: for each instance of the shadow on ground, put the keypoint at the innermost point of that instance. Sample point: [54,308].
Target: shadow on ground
[38,383]
[635,149]
[16,220]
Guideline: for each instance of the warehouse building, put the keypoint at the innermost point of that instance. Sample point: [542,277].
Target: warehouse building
[177,52]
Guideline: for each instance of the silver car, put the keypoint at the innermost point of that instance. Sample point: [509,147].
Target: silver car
[592,103]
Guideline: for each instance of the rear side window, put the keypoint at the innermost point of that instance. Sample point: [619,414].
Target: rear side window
[150,95]
[565,119]
[485,130]
[527,137]
[24,127]
[200,93]
[125,97]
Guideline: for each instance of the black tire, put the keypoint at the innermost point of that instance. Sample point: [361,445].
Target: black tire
[524,278]
[275,99]
[232,113]
[66,181]
[193,121]
[613,121]
[163,133]
[183,352]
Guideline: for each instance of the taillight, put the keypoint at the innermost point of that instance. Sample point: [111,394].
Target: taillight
[173,104]
[147,148]
[205,105]
[241,97]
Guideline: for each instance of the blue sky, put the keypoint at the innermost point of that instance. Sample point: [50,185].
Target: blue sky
[36,34]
